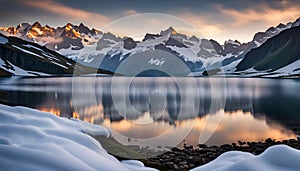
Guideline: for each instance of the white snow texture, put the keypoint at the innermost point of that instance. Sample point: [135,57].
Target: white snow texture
[275,158]
[34,140]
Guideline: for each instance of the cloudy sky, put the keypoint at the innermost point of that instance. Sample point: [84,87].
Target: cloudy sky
[217,19]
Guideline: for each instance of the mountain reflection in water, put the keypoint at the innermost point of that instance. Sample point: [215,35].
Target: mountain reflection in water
[250,109]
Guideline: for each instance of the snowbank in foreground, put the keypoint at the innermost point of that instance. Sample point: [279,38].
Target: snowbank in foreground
[275,158]
[34,140]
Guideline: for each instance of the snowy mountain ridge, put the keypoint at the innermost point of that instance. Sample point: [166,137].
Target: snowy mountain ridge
[92,47]
[23,58]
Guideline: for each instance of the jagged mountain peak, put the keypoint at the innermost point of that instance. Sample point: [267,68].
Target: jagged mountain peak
[234,42]
[69,35]
[20,57]
[73,40]
[84,29]
[281,25]
[277,52]
[260,37]
[168,31]
[171,29]
[47,26]
[81,25]
[194,38]
[96,32]
[150,36]
[296,22]
[85,45]
[111,36]
[271,29]
[9,30]
[36,24]
[68,26]
[22,25]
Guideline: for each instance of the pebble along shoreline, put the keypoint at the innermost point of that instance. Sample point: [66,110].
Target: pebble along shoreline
[190,157]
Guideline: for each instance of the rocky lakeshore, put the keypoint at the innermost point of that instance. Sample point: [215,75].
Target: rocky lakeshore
[190,157]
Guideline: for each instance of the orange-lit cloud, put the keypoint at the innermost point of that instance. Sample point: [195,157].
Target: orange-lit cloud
[74,14]
[266,14]
[241,24]
[206,28]
[214,20]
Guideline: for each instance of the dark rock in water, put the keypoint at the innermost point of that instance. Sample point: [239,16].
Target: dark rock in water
[191,165]
[202,145]
[241,143]
[155,164]
[293,141]
[269,140]
[211,72]
[225,146]
[211,149]
[169,165]
[260,145]
[188,147]
[183,163]
[175,149]
[187,151]
[185,166]
[212,156]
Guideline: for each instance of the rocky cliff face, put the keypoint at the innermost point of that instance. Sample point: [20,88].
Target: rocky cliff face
[20,57]
[277,52]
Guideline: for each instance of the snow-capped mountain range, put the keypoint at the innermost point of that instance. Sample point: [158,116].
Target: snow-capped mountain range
[53,38]
[94,48]
[24,58]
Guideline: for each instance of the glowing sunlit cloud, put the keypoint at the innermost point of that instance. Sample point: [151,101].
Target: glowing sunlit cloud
[152,23]
[265,14]
[73,14]
[206,28]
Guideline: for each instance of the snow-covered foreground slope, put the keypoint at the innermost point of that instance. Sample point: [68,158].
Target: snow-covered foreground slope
[275,158]
[34,140]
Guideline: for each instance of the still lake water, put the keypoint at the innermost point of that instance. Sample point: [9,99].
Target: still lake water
[163,111]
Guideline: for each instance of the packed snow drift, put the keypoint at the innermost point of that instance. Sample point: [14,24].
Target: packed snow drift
[34,140]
